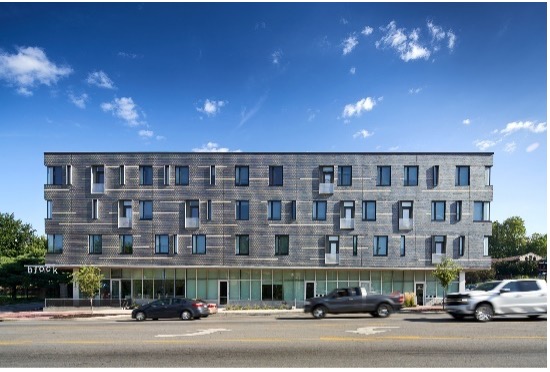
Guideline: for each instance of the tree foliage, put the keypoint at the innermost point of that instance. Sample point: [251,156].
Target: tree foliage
[445,272]
[509,238]
[88,279]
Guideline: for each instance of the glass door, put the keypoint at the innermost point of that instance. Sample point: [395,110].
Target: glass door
[115,291]
[222,292]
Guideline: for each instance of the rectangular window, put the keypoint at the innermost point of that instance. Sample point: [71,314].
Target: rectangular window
[98,172]
[435,175]
[95,209]
[355,238]
[332,246]
[48,209]
[182,176]
[212,175]
[176,244]
[319,211]
[209,210]
[193,208]
[384,176]
[344,175]
[275,175]
[274,210]
[145,175]
[410,176]
[327,174]
[461,245]
[166,175]
[369,210]
[55,243]
[487,176]
[438,211]
[241,175]
[347,210]
[402,246]
[55,175]
[439,244]
[485,245]
[458,210]
[462,175]
[126,244]
[293,210]
[122,175]
[199,244]
[95,244]
[380,245]
[482,211]
[145,210]
[241,210]
[69,175]
[161,244]
[241,245]
[281,245]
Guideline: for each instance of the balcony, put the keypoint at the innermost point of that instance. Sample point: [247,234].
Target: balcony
[326,188]
[405,224]
[98,188]
[124,222]
[191,222]
[437,258]
[347,223]
[332,258]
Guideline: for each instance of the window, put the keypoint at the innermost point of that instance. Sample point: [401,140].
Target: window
[209,210]
[98,173]
[482,211]
[95,245]
[176,244]
[462,176]
[69,175]
[293,210]
[161,244]
[281,245]
[241,175]
[332,245]
[369,210]
[122,175]
[166,175]
[275,175]
[145,175]
[458,210]
[347,210]
[319,211]
[410,176]
[438,211]
[95,209]
[48,209]
[182,176]
[193,208]
[145,210]
[212,175]
[380,245]
[344,175]
[384,176]
[241,210]
[126,244]
[487,176]
[327,174]
[355,238]
[55,175]
[439,244]
[55,243]
[402,246]
[406,210]
[241,245]
[199,244]
[125,214]
[435,175]
[461,245]
[274,210]
[485,245]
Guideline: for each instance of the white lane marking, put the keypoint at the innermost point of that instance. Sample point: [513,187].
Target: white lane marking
[371,330]
[201,332]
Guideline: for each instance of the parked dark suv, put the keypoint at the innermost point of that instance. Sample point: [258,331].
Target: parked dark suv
[182,308]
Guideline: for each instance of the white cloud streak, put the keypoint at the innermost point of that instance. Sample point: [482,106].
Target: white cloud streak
[356,109]
[363,134]
[78,101]
[523,125]
[367,31]
[213,147]
[466,121]
[211,108]
[100,79]
[349,44]
[532,147]
[123,108]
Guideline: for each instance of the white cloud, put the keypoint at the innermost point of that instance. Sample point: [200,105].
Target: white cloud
[211,108]
[484,144]
[349,44]
[367,31]
[352,70]
[510,147]
[466,122]
[415,90]
[408,47]
[79,101]
[532,147]
[146,133]
[363,134]
[365,104]
[212,147]
[246,115]
[520,125]
[100,79]
[28,68]
[311,114]
[439,35]
[123,108]
[276,57]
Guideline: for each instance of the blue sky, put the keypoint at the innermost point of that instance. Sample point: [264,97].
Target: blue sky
[373,77]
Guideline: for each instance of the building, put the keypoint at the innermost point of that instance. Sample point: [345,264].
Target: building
[257,227]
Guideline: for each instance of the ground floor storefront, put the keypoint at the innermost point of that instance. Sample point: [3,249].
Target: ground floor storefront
[261,286]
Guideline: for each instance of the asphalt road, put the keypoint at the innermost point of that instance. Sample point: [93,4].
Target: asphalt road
[403,340]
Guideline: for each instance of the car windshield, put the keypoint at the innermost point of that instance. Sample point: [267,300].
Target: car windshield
[486,286]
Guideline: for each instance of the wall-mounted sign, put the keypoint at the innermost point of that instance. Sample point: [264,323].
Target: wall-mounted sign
[35,269]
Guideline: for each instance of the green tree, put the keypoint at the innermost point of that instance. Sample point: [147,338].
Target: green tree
[445,272]
[537,243]
[89,280]
[508,239]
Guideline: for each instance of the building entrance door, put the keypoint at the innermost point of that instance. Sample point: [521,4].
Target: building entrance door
[115,291]
[310,290]
[420,294]
[222,292]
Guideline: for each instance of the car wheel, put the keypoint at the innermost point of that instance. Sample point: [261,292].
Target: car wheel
[383,311]
[140,316]
[484,312]
[319,312]
[186,315]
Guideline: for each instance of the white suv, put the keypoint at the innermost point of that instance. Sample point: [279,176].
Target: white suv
[503,297]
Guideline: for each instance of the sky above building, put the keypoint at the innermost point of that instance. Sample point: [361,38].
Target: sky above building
[275,77]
